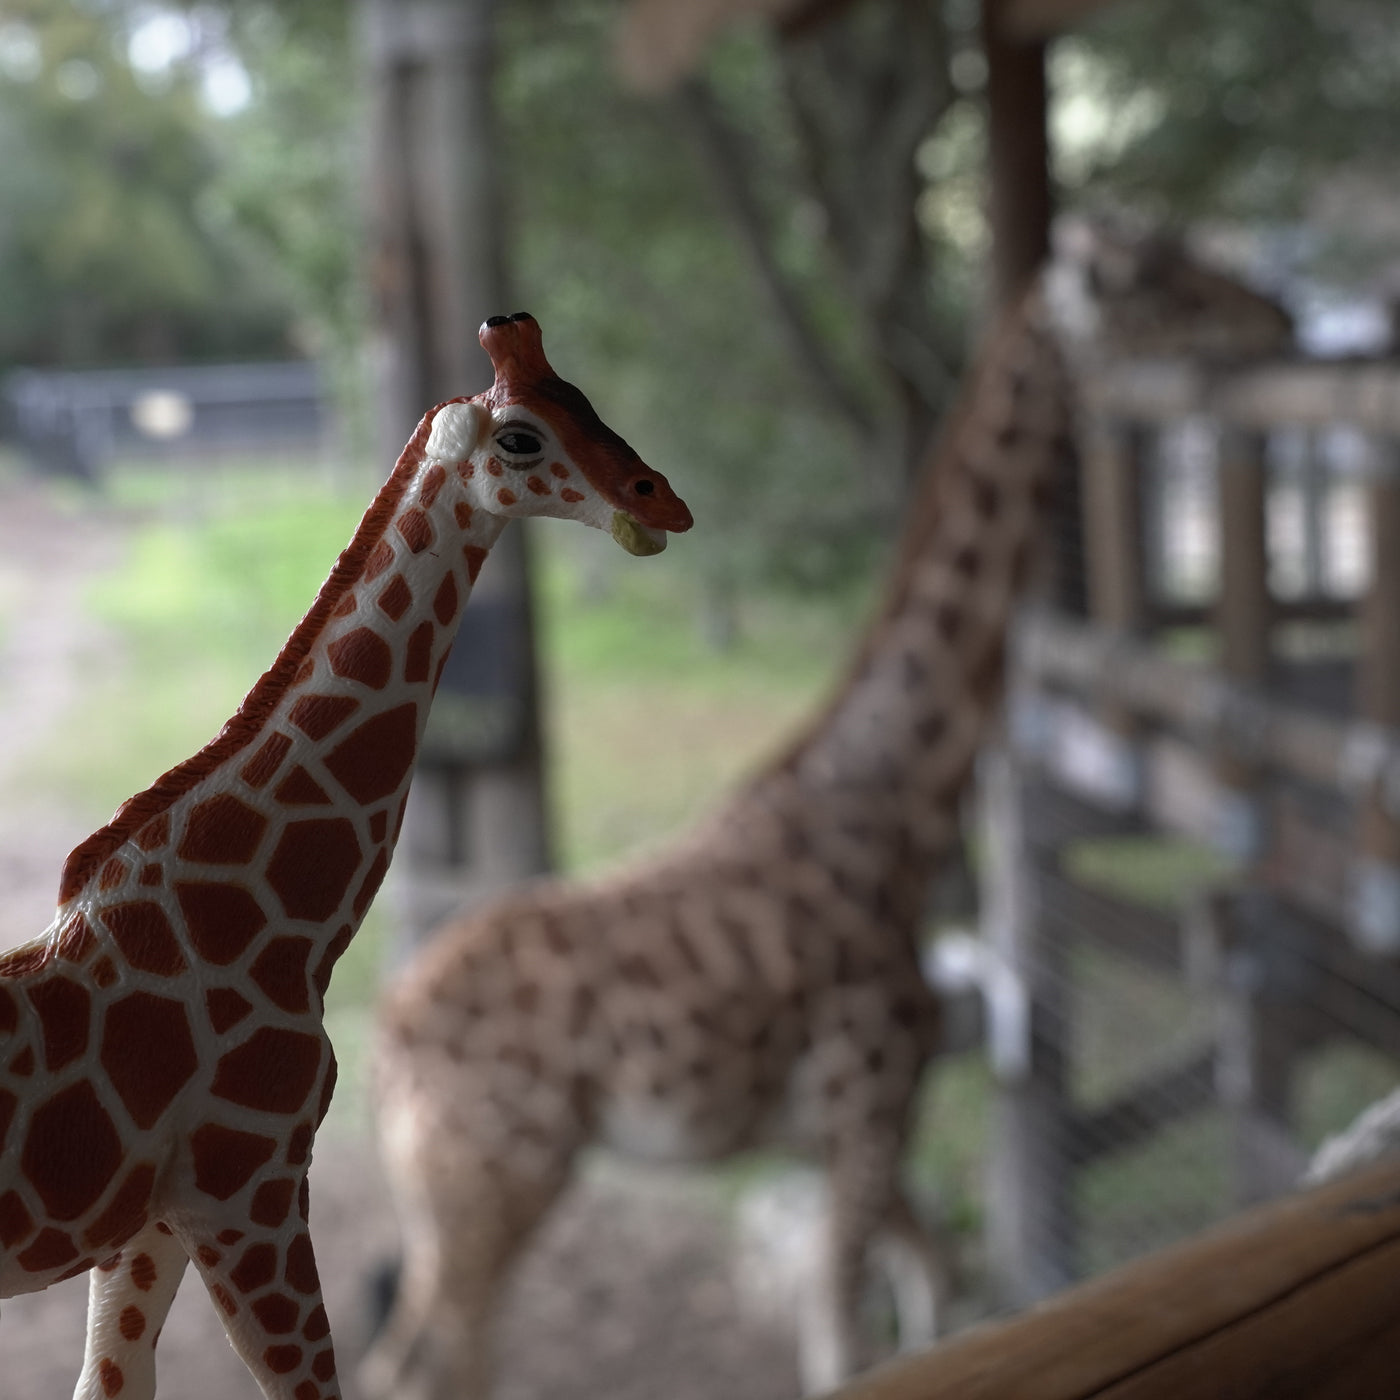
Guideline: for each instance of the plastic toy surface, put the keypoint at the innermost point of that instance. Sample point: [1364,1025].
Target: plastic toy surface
[163,1065]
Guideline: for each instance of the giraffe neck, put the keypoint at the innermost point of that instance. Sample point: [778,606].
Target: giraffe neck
[299,799]
[893,750]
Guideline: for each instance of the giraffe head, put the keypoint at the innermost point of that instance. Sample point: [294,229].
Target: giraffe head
[533,445]
[1117,291]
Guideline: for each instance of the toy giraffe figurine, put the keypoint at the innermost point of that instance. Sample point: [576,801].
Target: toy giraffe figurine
[163,1066]
[761,981]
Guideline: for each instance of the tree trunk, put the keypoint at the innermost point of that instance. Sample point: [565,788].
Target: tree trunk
[476,821]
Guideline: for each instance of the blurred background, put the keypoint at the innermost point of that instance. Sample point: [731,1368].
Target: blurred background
[242,247]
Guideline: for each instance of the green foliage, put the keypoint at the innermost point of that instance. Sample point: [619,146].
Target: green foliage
[104,249]
[1237,108]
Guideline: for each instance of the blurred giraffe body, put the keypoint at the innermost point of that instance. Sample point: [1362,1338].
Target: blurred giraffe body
[759,982]
[163,1063]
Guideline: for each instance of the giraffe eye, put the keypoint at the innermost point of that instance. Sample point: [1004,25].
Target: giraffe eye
[520,444]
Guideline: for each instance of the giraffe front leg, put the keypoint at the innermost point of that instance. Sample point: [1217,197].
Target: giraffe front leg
[128,1299]
[266,1289]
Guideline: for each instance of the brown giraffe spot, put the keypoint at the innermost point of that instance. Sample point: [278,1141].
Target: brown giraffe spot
[143,1272]
[273,1071]
[224,1298]
[380,558]
[223,831]
[466,470]
[222,920]
[313,864]
[110,1374]
[445,600]
[266,761]
[154,834]
[229,1236]
[378,825]
[282,1359]
[347,605]
[126,1211]
[8,1103]
[277,1313]
[298,1146]
[462,513]
[362,655]
[104,972]
[305,671]
[15,1220]
[317,715]
[300,1271]
[271,1202]
[334,949]
[537,486]
[433,480]
[73,1270]
[76,941]
[143,933]
[317,1325]
[226,1158]
[9,1012]
[323,1367]
[300,789]
[560,470]
[23,1063]
[475,557]
[418,656]
[164,1228]
[371,884]
[397,597]
[208,1255]
[327,1089]
[375,758]
[64,1009]
[307,1390]
[506,496]
[148,1053]
[570,495]
[132,1323]
[50,1250]
[27,958]
[416,529]
[256,1268]
[113,873]
[280,970]
[493,465]
[107,1265]
[152,875]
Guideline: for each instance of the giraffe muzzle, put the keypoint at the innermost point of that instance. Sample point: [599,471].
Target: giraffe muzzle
[635,537]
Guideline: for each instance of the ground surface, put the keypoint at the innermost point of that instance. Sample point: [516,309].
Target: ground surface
[629,1292]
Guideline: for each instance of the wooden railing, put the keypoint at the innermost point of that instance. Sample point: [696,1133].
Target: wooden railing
[1300,1298]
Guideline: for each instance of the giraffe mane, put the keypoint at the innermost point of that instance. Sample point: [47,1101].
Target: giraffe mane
[252,714]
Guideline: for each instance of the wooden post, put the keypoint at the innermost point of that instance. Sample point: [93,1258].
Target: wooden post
[1031,1229]
[1245,609]
[438,270]
[1020,204]
[1112,465]
[1376,879]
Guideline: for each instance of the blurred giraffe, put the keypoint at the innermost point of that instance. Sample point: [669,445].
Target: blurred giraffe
[760,981]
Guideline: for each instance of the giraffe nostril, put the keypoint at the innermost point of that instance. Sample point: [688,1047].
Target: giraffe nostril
[645,488]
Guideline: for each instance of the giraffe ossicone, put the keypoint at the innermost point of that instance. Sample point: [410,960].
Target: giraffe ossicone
[163,1064]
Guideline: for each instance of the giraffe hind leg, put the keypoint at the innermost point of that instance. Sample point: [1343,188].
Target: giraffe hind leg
[266,1289]
[463,1225]
[128,1299]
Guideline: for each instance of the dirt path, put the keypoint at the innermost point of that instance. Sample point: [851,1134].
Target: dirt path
[629,1293]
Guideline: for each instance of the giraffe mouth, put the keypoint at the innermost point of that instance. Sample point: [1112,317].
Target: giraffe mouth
[635,537]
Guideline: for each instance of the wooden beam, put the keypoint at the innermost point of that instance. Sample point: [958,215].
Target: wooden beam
[1018,156]
[1296,1298]
[1043,19]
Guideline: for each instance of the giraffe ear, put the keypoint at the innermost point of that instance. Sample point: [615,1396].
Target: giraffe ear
[455,432]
